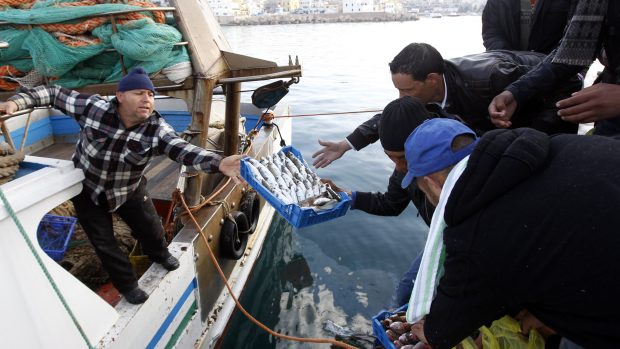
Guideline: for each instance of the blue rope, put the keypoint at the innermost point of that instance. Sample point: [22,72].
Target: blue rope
[40,262]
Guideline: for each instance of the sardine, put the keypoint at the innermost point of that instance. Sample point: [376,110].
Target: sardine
[291,166]
[267,175]
[324,204]
[274,169]
[295,160]
[300,192]
[255,173]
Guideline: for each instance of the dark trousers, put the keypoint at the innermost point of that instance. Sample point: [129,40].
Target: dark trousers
[140,215]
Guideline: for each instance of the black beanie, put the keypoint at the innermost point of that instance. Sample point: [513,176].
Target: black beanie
[399,118]
[137,79]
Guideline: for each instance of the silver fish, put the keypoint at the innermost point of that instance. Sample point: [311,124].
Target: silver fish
[291,166]
[288,179]
[274,169]
[308,185]
[300,192]
[255,173]
[295,160]
[263,171]
[324,204]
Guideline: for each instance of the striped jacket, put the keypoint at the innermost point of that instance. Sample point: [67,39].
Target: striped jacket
[114,158]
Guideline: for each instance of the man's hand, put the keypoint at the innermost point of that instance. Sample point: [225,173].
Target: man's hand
[502,108]
[334,186]
[231,167]
[594,103]
[418,330]
[529,322]
[331,151]
[9,107]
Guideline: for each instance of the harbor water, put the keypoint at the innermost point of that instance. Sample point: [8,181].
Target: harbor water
[345,270]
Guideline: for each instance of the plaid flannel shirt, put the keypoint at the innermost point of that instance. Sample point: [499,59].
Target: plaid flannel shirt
[113,157]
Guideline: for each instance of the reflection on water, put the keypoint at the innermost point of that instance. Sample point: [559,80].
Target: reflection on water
[343,270]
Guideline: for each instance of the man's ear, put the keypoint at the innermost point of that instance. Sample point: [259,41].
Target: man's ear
[433,77]
[433,184]
[119,96]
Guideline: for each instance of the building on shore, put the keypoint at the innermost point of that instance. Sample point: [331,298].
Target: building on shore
[355,6]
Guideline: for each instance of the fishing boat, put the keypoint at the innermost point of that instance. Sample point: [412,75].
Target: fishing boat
[45,306]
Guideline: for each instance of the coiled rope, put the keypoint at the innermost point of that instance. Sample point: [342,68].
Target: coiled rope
[42,266]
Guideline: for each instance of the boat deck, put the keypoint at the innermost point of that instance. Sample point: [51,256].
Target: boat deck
[162,173]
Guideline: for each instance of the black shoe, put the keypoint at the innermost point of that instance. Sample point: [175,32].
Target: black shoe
[169,263]
[136,296]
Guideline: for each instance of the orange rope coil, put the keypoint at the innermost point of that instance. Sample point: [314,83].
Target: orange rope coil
[23,4]
[89,24]
[9,71]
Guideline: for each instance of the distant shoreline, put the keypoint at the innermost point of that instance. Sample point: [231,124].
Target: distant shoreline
[317,18]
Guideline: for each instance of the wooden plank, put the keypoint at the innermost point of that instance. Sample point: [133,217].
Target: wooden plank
[62,151]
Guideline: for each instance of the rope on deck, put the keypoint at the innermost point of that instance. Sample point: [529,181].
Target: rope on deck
[42,266]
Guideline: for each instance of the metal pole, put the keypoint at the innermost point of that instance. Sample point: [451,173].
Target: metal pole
[231,124]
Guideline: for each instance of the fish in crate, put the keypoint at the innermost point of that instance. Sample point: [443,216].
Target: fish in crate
[286,177]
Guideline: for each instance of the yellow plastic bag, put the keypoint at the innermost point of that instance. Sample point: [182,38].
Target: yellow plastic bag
[505,333]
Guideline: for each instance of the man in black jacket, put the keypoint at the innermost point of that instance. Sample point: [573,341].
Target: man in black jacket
[509,24]
[525,229]
[461,86]
[400,117]
[594,31]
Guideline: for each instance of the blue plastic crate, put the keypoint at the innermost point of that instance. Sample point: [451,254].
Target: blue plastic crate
[297,216]
[379,331]
[54,233]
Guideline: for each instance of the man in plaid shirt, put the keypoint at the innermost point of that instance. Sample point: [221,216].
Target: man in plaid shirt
[118,139]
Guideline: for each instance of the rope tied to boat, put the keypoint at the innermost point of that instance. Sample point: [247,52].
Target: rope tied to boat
[42,266]
[238,304]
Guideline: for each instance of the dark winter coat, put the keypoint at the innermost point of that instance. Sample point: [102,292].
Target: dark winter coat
[533,224]
[501,25]
[395,200]
[549,76]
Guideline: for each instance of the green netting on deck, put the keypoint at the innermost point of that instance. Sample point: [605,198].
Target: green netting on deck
[48,12]
[141,42]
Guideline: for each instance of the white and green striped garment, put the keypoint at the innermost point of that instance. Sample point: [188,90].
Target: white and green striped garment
[431,267]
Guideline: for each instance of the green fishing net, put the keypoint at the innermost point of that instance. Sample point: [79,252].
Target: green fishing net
[141,42]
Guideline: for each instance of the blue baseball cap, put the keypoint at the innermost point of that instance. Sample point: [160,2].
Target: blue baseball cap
[428,148]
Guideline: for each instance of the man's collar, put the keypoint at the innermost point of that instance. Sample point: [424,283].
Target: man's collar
[445,93]
[443,103]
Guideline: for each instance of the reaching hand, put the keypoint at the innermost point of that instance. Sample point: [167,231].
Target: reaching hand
[9,107]
[594,103]
[502,108]
[334,186]
[330,152]
[231,167]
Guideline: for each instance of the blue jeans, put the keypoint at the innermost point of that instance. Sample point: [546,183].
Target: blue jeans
[402,293]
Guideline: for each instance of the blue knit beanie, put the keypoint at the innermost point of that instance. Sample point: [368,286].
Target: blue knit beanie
[137,79]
